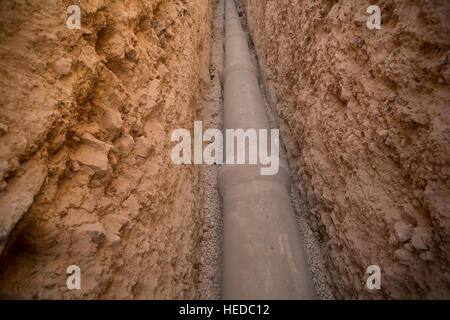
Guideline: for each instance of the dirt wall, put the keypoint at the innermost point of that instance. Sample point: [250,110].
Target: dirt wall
[85,171]
[365,118]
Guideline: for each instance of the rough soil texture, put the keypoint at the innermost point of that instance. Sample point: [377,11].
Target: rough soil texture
[365,117]
[210,279]
[85,172]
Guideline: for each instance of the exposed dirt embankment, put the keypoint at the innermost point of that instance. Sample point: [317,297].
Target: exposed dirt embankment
[366,121]
[85,170]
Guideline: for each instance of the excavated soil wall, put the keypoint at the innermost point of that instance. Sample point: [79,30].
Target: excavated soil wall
[365,118]
[85,172]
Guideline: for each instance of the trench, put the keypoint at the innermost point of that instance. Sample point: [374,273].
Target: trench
[310,241]
[275,275]
[87,176]
[258,214]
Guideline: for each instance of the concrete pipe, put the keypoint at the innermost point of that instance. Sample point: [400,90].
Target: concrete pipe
[262,253]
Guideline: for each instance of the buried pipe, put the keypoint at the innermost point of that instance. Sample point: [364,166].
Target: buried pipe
[262,253]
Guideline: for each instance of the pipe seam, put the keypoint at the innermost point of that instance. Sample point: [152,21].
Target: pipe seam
[239,67]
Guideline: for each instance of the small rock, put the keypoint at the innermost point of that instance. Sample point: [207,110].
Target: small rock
[132,206]
[427,256]
[393,240]
[403,231]
[345,94]
[382,135]
[18,197]
[408,246]
[422,238]
[404,256]
[207,235]
[114,223]
[97,236]
[75,166]
[62,66]
[132,54]
[126,144]
[112,121]
[93,153]
[114,241]
[3,129]
[95,232]
[49,284]
[143,147]
[138,128]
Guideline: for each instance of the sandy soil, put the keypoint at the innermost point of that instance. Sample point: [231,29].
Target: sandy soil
[364,116]
[85,170]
